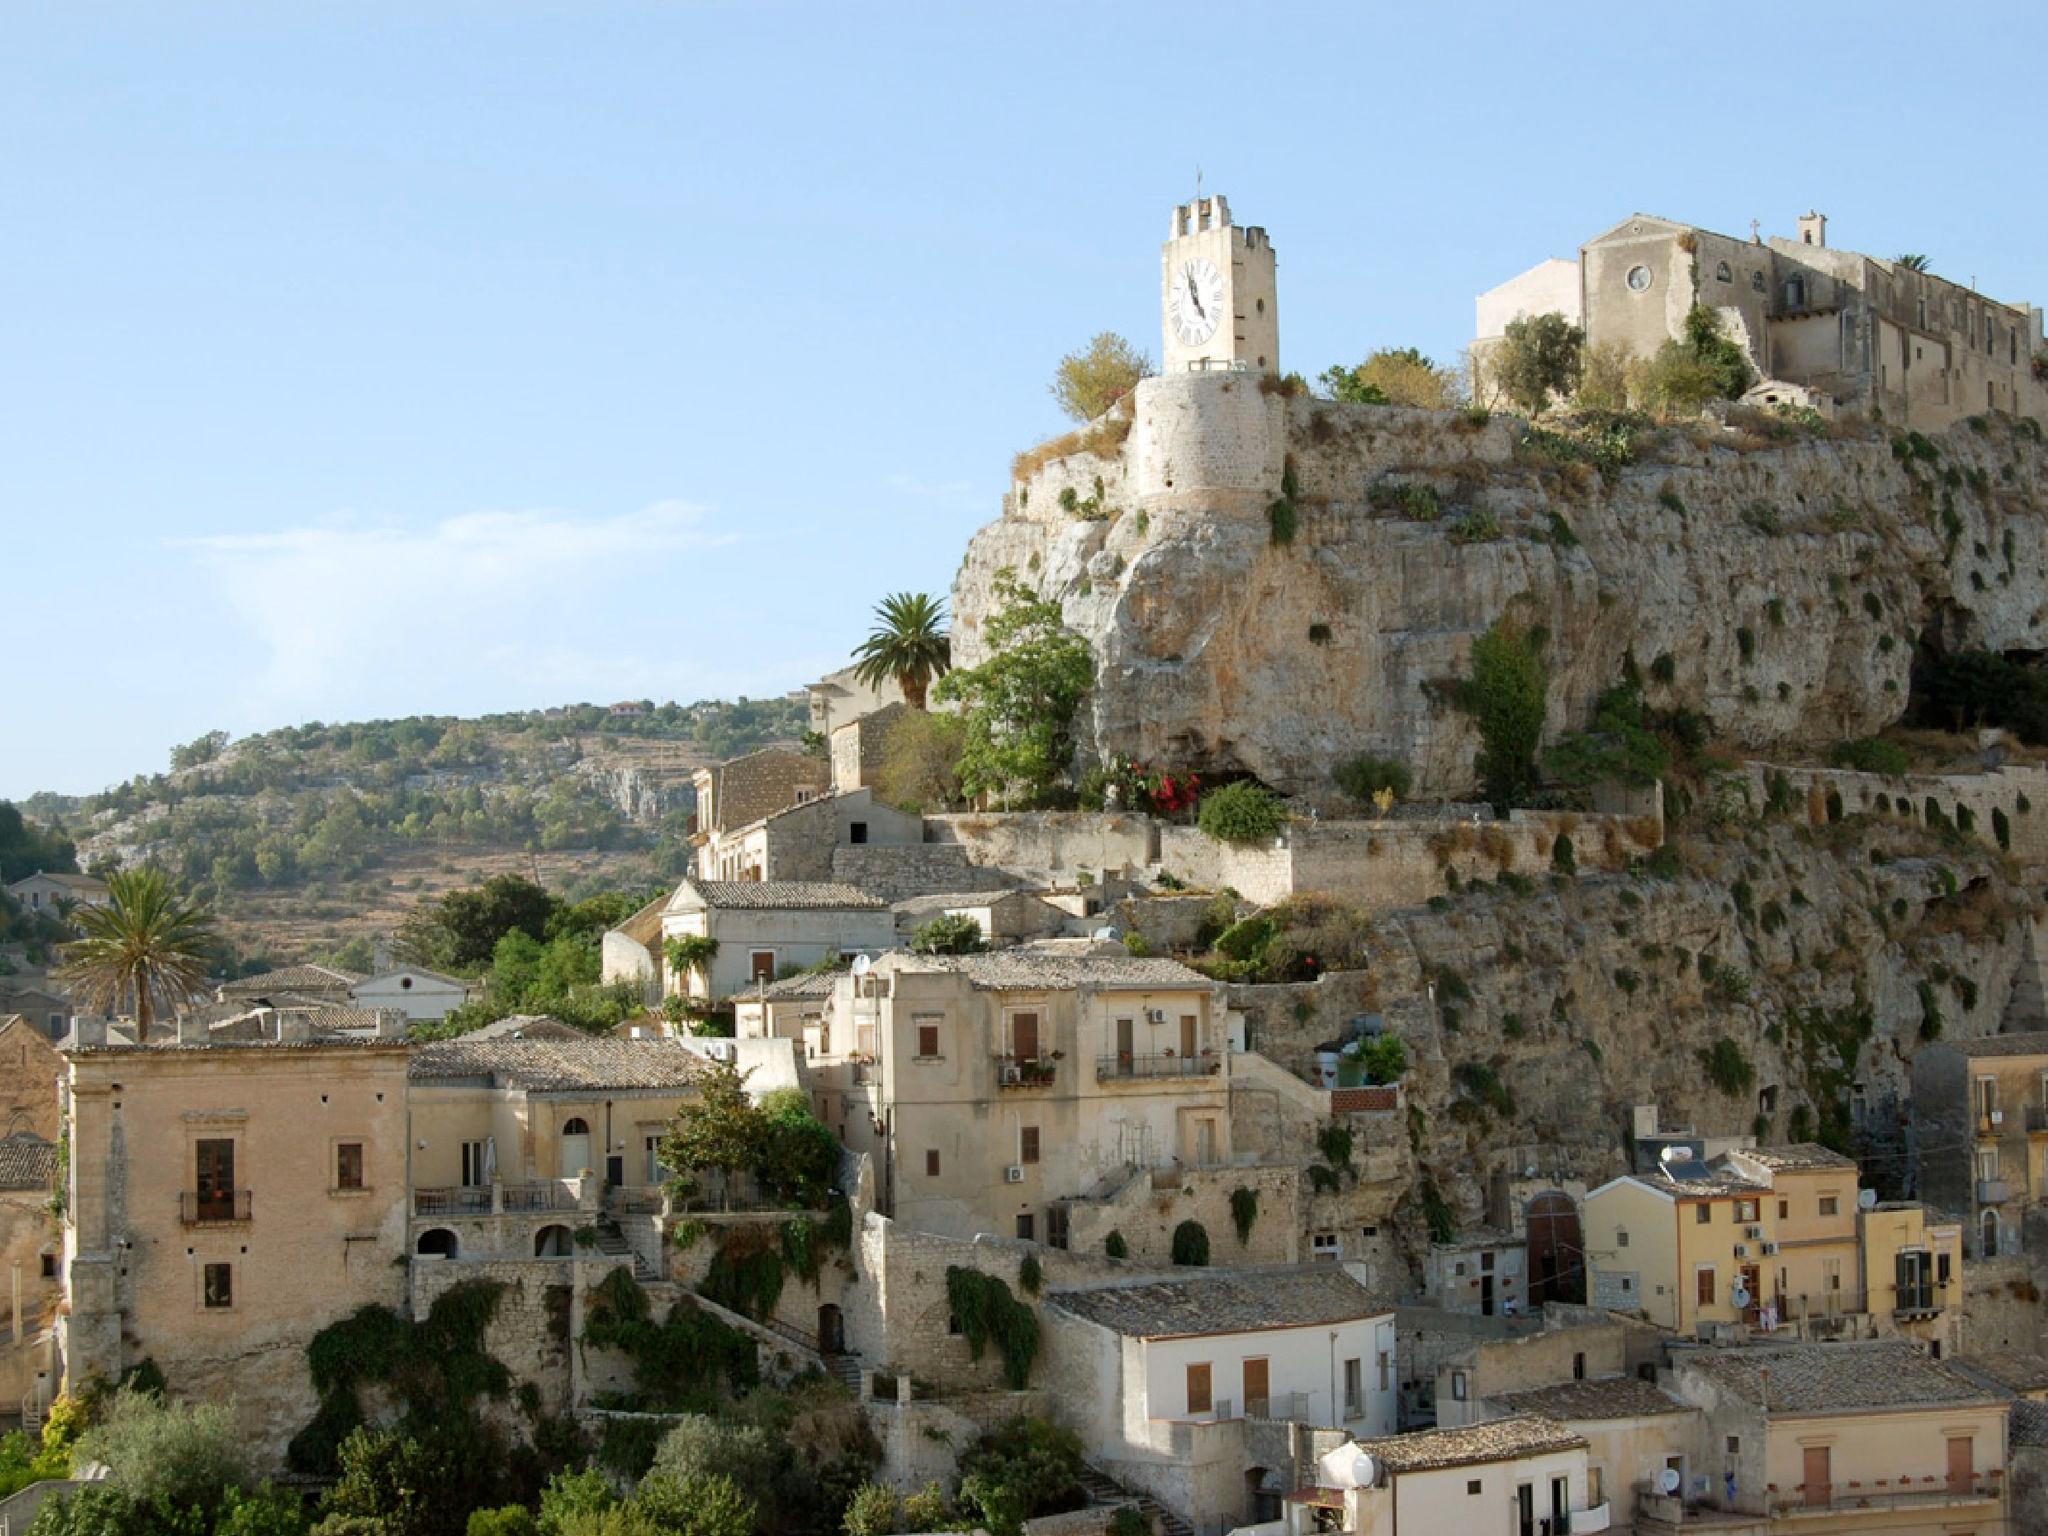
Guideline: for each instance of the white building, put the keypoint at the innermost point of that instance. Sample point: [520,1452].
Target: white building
[765,927]
[422,994]
[1524,1476]
[1187,1388]
[42,892]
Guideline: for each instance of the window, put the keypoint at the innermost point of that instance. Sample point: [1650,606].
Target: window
[931,1163]
[1830,1204]
[1735,1445]
[1486,1263]
[1322,1245]
[1941,1269]
[348,1165]
[1621,1237]
[1745,1211]
[761,965]
[1987,1097]
[1639,279]
[1386,1369]
[1704,1280]
[214,1179]
[218,1285]
[1724,273]
[1795,293]
[1027,1144]
[49,1266]
[1579,1365]
[927,1042]
[1472,1486]
[1024,1036]
[474,1172]
[1354,1388]
[1027,1227]
[1201,1398]
[1596,1485]
[1756,280]
[1784,1210]
[1702,1213]
[656,1173]
[1458,1386]
[857,832]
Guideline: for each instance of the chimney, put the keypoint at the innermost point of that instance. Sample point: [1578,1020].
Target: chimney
[1813,228]
[89,1029]
[192,1029]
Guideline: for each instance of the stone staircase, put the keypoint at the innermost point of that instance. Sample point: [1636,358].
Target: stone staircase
[846,1369]
[1105,1492]
[612,1243]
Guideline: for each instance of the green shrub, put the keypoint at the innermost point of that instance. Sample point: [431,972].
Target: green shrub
[1506,697]
[949,934]
[1364,776]
[2001,828]
[1244,1210]
[1282,521]
[1412,499]
[1871,754]
[1191,1244]
[1727,1068]
[1243,812]
[511,1520]
[1563,858]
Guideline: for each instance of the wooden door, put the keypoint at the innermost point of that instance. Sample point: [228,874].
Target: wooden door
[1818,1483]
[1024,1036]
[1257,1386]
[1187,1035]
[1962,1469]
[1200,1396]
[1124,1046]
[214,1179]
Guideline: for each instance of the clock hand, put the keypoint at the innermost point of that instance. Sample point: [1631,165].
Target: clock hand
[1195,297]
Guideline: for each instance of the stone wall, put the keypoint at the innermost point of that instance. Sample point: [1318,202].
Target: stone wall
[539,1313]
[1974,803]
[1051,847]
[1146,1209]
[923,869]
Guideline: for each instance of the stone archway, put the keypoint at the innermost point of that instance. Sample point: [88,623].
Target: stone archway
[438,1243]
[1557,1250]
[554,1242]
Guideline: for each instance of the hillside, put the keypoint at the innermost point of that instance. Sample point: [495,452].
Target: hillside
[310,837]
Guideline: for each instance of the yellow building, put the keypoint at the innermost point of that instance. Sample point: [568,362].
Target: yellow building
[226,1201]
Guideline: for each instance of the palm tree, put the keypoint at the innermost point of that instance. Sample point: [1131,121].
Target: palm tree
[908,644]
[148,944]
[1912,263]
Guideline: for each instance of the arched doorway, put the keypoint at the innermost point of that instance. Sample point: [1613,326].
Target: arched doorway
[575,1147]
[1557,1251]
[831,1331]
[1990,1247]
[1262,1496]
[437,1243]
[555,1242]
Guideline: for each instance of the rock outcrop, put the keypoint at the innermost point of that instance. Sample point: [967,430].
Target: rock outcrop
[1786,577]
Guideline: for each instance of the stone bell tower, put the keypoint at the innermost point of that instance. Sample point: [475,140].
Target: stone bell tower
[1219,298]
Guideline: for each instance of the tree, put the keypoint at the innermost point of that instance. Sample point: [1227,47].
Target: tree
[691,953]
[461,929]
[180,1455]
[701,1504]
[1393,376]
[147,944]
[1616,747]
[1021,702]
[908,646]
[573,1496]
[398,1482]
[1913,262]
[953,933]
[1244,812]
[1539,356]
[920,769]
[1090,381]
[26,848]
[1506,697]
[719,1128]
[1705,364]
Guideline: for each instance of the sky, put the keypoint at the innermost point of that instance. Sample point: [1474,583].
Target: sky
[372,359]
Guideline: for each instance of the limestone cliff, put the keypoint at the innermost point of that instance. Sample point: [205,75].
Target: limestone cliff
[1786,578]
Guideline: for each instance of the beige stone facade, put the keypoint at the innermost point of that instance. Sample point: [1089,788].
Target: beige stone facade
[1218,294]
[225,1203]
[738,793]
[765,929]
[1980,1116]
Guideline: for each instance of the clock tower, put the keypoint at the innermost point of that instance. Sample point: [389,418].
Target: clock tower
[1218,292]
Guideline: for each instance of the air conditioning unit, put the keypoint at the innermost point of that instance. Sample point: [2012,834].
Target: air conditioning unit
[1014,1174]
[1770,1249]
[1742,1250]
[1155,1015]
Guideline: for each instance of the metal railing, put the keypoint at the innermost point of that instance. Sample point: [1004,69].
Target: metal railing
[1165,1064]
[196,1209]
[1280,1408]
[640,1200]
[1923,1297]
[1024,1072]
[539,1195]
[1837,1497]
[452,1200]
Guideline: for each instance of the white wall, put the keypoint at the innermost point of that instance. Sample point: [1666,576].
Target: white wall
[427,996]
[1306,1360]
[798,937]
[1549,287]
[1443,1500]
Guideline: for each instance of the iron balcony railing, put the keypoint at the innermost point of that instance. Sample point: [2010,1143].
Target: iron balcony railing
[453,1200]
[539,1195]
[1165,1064]
[1926,1492]
[1917,1298]
[197,1208]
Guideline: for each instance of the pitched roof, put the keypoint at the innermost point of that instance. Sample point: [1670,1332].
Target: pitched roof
[27,1162]
[2026,1043]
[1013,970]
[786,895]
[413,970]
[1495,1440]
[947,901]
[2008,1372]
[1606,1397]
[1226,1301]
[559,1066]
[293,978]
[1796,1156]
[90,884]
[803,984]
[526,1026]
[1836,1378]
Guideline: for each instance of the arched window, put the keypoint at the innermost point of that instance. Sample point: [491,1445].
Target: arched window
[576,1127]
[1724,273]
[1756,280]
[1990,1248]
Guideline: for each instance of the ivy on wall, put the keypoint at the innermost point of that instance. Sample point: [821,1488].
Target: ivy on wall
[985,1310]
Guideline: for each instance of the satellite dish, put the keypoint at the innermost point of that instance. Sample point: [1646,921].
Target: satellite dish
[1866,1199]
[1739,1295]
[1675,1154]
[1365,1472]
[1668,1480]
[862,964]
[1106,934]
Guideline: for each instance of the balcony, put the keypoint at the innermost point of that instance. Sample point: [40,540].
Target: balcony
[1993,1191]
[1280,1408]
[1166,1064]
[495,1199]
[197,1208]
[1025,1072]
[1916,1301]
[1839,1498]
[453,1201]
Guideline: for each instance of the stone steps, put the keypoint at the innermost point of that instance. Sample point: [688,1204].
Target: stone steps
[1104,1491]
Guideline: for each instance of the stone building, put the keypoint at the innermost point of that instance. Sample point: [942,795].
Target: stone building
[1845,331]
[308,983]
[857,747]
[998,1091]
[224,1203]
[735,794]
[804,841]
[1632,1429]
[1980,1132]
[42,892]
[841,697]
[1482,1270]
[1187,1388]
[1506,1477]
[763,929]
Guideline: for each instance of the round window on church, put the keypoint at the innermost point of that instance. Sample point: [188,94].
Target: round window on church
[1639,278]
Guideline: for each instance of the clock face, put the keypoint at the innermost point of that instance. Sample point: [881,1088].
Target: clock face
[1195,302]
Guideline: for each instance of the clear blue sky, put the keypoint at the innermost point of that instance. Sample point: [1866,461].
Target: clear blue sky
[376,358]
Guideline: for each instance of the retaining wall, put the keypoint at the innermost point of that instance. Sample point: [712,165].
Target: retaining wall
[1975,803]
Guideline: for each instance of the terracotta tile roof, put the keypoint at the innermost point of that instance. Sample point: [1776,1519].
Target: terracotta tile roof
[1227,1301]
[1496,1440]
[786,896]
[1010,970]
[1607,1397]
[807,984]
[526,1026]
[1715,1182]
[557,1066]
[293,978]
[87,884]
[2031,1043]
[1834,1378]
[947,901]
[27,1162]
[2007,1372]
[1797,1155]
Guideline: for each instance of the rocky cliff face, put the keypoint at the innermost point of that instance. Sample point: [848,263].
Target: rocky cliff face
[1787,581]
